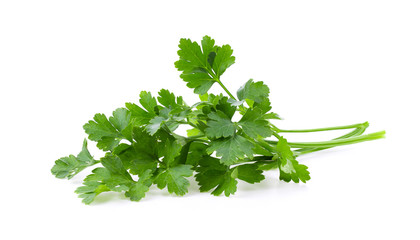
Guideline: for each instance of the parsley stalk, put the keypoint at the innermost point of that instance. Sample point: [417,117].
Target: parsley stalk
[345,140]
[225,88]
[322,129]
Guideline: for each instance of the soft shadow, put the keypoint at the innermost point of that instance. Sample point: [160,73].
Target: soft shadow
[271,184]
[106,197]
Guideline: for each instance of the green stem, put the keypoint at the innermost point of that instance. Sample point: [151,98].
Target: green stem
[325,129]
[182,122]
[356,132]
[307,147]
[197,136]
[260,158]
[265,159]
[276,135]
[263,143]
[192,124]
[224,88]
[198,140]
[339,142]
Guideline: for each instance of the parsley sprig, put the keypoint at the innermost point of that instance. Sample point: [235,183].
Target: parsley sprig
[140,140]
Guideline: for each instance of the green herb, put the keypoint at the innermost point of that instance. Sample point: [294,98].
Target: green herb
[139,140]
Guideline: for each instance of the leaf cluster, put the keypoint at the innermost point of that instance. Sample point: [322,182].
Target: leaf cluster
[143,147]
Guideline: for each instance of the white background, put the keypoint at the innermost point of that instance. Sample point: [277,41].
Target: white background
[327,63]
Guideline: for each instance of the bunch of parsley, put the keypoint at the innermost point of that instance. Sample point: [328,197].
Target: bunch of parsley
[141,147]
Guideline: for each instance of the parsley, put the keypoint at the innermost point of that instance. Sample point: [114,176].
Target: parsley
[139,139]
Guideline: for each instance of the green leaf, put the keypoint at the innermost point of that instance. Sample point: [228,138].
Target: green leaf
[90,190]
[100,128]
[68,167]
[254,125]
[265,166]
[194,64]
[250,173]
[202,67]
[174,179]
[108,143]
[219,125]
[138,190]
[125,152]
[255,91]
[115,166]
[148,101]
[108,133]
[145,154]
[201,82]
[120,118]
[223,60]
[181,158]
[215,99]
[139,115]
[211,174]
[227,186]
[144,142]
[231,149]
[166,120]
[141,156]
[155,124]
[168,116]
[167,98]
[197,151]
[209,49]
[190,56]
[225,106]
[193,132]
[116,181]
[290,169]
[170,150]
[264,106]
[110,178]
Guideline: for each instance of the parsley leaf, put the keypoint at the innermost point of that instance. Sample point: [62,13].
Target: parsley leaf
[145,152]
[231,149]
[223,59]
[211,174]
[250,173]
[255,91]
[138,190]
[113,177]
[148,101]
[67,167]
[174,179]
[227,186]
[142,116]
[254,124]
[90,190]
[194,64]
[202,66]
[108,133]
[290,169]
[155,124]
[170,114]
[219,125]
[169,150]
[167,98]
